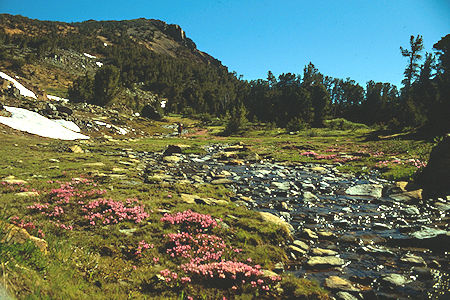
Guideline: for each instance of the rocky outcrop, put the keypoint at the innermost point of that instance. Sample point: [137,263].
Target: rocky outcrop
[435,177]
[15,234]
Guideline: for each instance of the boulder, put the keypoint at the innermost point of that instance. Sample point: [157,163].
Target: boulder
[325,261]
[15,234]
[338,283]
[171,149]
[27,194]
[76,149]
[395,279]
[373,190]
[268,217]
[172,159]
[435,177]
[323,252]
[221,181]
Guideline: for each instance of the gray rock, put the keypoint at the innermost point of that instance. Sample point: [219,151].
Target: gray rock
[281,185]
[345,296]
[413,259]
[323,252]
[338,283]
[325,261]
[428,233]
[395,279]
[222,181]
[301,245]
[172,159]
[309,233]
[374,190]
[308,196]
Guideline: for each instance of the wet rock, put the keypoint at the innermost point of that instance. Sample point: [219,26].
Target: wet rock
[345,296]
[413,259]
[301,245]
[325,234]
[380,226]
[321,170]
[296,250]
[325,261]
[323,252]
[373,190]
[395,279]
[309,233]
[281,185]
[376,249]
[407,196]
[308,196]
[172,159]
[411,210]
[429,233]
[338,283]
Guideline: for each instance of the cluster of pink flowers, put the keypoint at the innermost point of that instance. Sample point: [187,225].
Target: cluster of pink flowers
[16,187]
[142,246]
[73,197]
[190,220]
[346,159]
[208,256]
[309,154]
[108,211]
[171,276]
[333,157]
[68,191]
[415,162]
[199,248]
[27,225]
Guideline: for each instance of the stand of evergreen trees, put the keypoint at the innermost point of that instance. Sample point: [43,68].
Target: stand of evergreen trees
[291,100]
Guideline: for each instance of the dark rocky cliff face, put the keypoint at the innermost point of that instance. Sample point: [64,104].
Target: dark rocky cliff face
[435,178]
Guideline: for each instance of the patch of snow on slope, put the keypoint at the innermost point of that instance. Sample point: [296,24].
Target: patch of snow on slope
[56,98]
[23,90]
[99,64]
[68,124]
[88,55]
[34,123]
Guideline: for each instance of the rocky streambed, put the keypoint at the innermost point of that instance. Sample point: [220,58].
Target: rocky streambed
[361,237]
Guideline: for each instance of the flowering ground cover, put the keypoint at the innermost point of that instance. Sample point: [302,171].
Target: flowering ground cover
[114,237]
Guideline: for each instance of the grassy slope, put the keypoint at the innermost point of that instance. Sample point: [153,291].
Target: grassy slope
[98,261]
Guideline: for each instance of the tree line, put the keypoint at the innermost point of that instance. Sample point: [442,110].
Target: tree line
[290,100]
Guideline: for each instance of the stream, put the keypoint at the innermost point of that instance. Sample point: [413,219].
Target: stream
[379,243]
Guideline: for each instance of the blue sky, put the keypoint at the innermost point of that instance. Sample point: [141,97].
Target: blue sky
[359,39]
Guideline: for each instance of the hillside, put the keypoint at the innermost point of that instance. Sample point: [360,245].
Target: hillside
[155,61]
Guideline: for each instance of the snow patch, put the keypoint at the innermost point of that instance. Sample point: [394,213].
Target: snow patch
[56,98]
[120,130]
[34,123]
[98,63]
[23,90]
[163,103]
[68,124]
[88,55]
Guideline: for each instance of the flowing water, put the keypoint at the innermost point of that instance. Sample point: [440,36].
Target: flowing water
[375,236]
